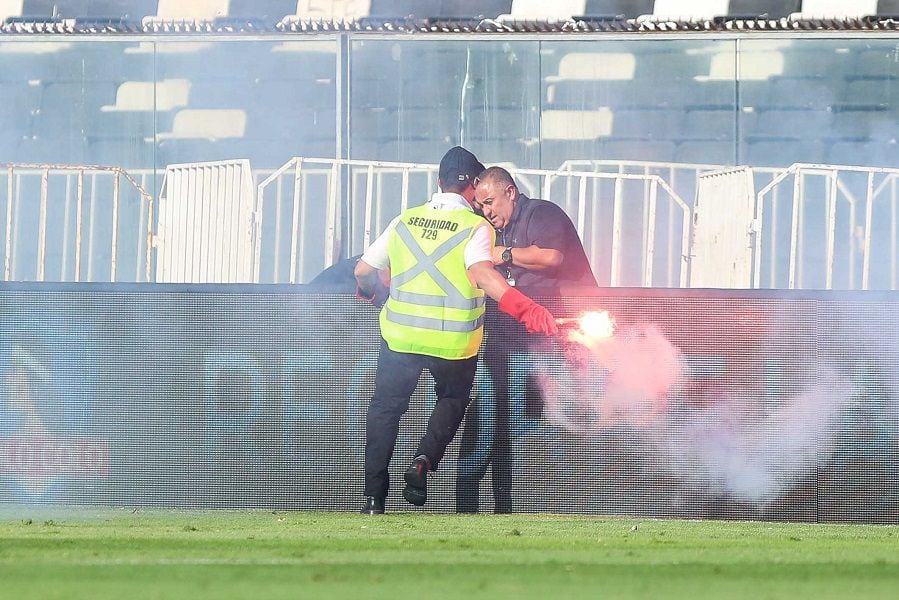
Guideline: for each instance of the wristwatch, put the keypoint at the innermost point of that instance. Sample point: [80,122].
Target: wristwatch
[507,256]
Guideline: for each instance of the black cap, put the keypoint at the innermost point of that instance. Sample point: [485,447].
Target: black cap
[458,165]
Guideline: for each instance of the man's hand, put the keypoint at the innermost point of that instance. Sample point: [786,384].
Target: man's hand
[530,314]
[370,287]
[377,296]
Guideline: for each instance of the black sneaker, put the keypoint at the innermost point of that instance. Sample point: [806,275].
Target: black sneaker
[416,476]
[373,506]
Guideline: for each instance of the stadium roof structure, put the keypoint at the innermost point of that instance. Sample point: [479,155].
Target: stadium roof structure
[231,25]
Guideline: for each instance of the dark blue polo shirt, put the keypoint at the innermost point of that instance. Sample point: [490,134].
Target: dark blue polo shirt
[541,223]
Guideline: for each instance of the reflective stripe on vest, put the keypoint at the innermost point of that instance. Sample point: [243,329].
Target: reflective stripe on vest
[435,324]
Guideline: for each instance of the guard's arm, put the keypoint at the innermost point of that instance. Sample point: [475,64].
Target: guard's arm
[370,284]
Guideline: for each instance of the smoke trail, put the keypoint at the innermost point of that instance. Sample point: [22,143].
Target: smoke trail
[736,442]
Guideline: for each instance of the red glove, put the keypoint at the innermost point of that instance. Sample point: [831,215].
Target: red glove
[533,316]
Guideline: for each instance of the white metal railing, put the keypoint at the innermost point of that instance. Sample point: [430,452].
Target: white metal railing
[855,210]
[208,230]
[63,223]
[617,215]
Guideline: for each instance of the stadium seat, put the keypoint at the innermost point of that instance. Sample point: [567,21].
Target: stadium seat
[717,125]
[10,8]
[876,64]
[835,9]
[705,152]
[820,62]
[469,9]
[694,10]
[874,94]
[790,124]
[663,125]
[889,8]
[644,150]
[877,126]
[864,154]
[783,153]
[330,10]
[595,66]
[773,9]
[629,9]
[195,10]
[212,124]
[575,124]
[795,93]
[270,11]
[114,9]
[539,10]
[753,66]
[163,95]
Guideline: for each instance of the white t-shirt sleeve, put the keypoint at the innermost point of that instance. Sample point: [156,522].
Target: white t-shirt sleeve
[480,247]
[376,255]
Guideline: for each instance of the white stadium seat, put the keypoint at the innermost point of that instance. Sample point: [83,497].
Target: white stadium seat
[331,10]
[540,10]
[592,66]
[179,10]
[166,94]
[576,124]
[10,8]
[688,10]
[210,124]
[831,9]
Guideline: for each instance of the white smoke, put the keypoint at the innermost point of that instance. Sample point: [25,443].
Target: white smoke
[735,440]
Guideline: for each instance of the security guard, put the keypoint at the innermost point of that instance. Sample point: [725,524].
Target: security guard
[438,258]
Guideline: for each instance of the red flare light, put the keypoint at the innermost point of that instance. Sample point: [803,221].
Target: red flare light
[591,327]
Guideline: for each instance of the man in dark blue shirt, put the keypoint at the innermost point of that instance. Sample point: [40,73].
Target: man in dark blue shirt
[538,247]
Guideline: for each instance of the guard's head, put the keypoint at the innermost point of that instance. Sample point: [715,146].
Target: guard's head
[496,195]
[458,170]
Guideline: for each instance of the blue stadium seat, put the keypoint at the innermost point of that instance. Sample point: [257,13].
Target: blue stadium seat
[790,124]
[803,93]
[783,153]
[706,152]
[888,8]
[873,94]
[865,124]
[875,63]
[70,107]
[270,11]
[864,154]
[131,10]
[712,125]
[629,9]
[649,124]
[647,150]
[819,62]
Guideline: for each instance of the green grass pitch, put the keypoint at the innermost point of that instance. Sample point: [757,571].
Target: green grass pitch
[131,555]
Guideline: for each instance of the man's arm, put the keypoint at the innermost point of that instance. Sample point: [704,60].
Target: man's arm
[532,258]
[367,278]
[511,301]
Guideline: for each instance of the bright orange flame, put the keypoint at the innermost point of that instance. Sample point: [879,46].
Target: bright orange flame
[598,324]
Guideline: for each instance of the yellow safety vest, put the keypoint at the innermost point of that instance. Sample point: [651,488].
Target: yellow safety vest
[433,308]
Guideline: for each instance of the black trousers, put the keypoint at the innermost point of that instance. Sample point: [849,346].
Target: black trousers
[395,381]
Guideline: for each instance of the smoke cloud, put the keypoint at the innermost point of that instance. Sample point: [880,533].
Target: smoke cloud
[732,439]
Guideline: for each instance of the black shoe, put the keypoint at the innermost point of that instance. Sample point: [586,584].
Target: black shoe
[416,476]
[373,506]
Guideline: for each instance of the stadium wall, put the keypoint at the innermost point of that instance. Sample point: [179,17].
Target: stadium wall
[743,404]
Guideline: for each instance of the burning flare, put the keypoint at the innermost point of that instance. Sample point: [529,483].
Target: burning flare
[590,328]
